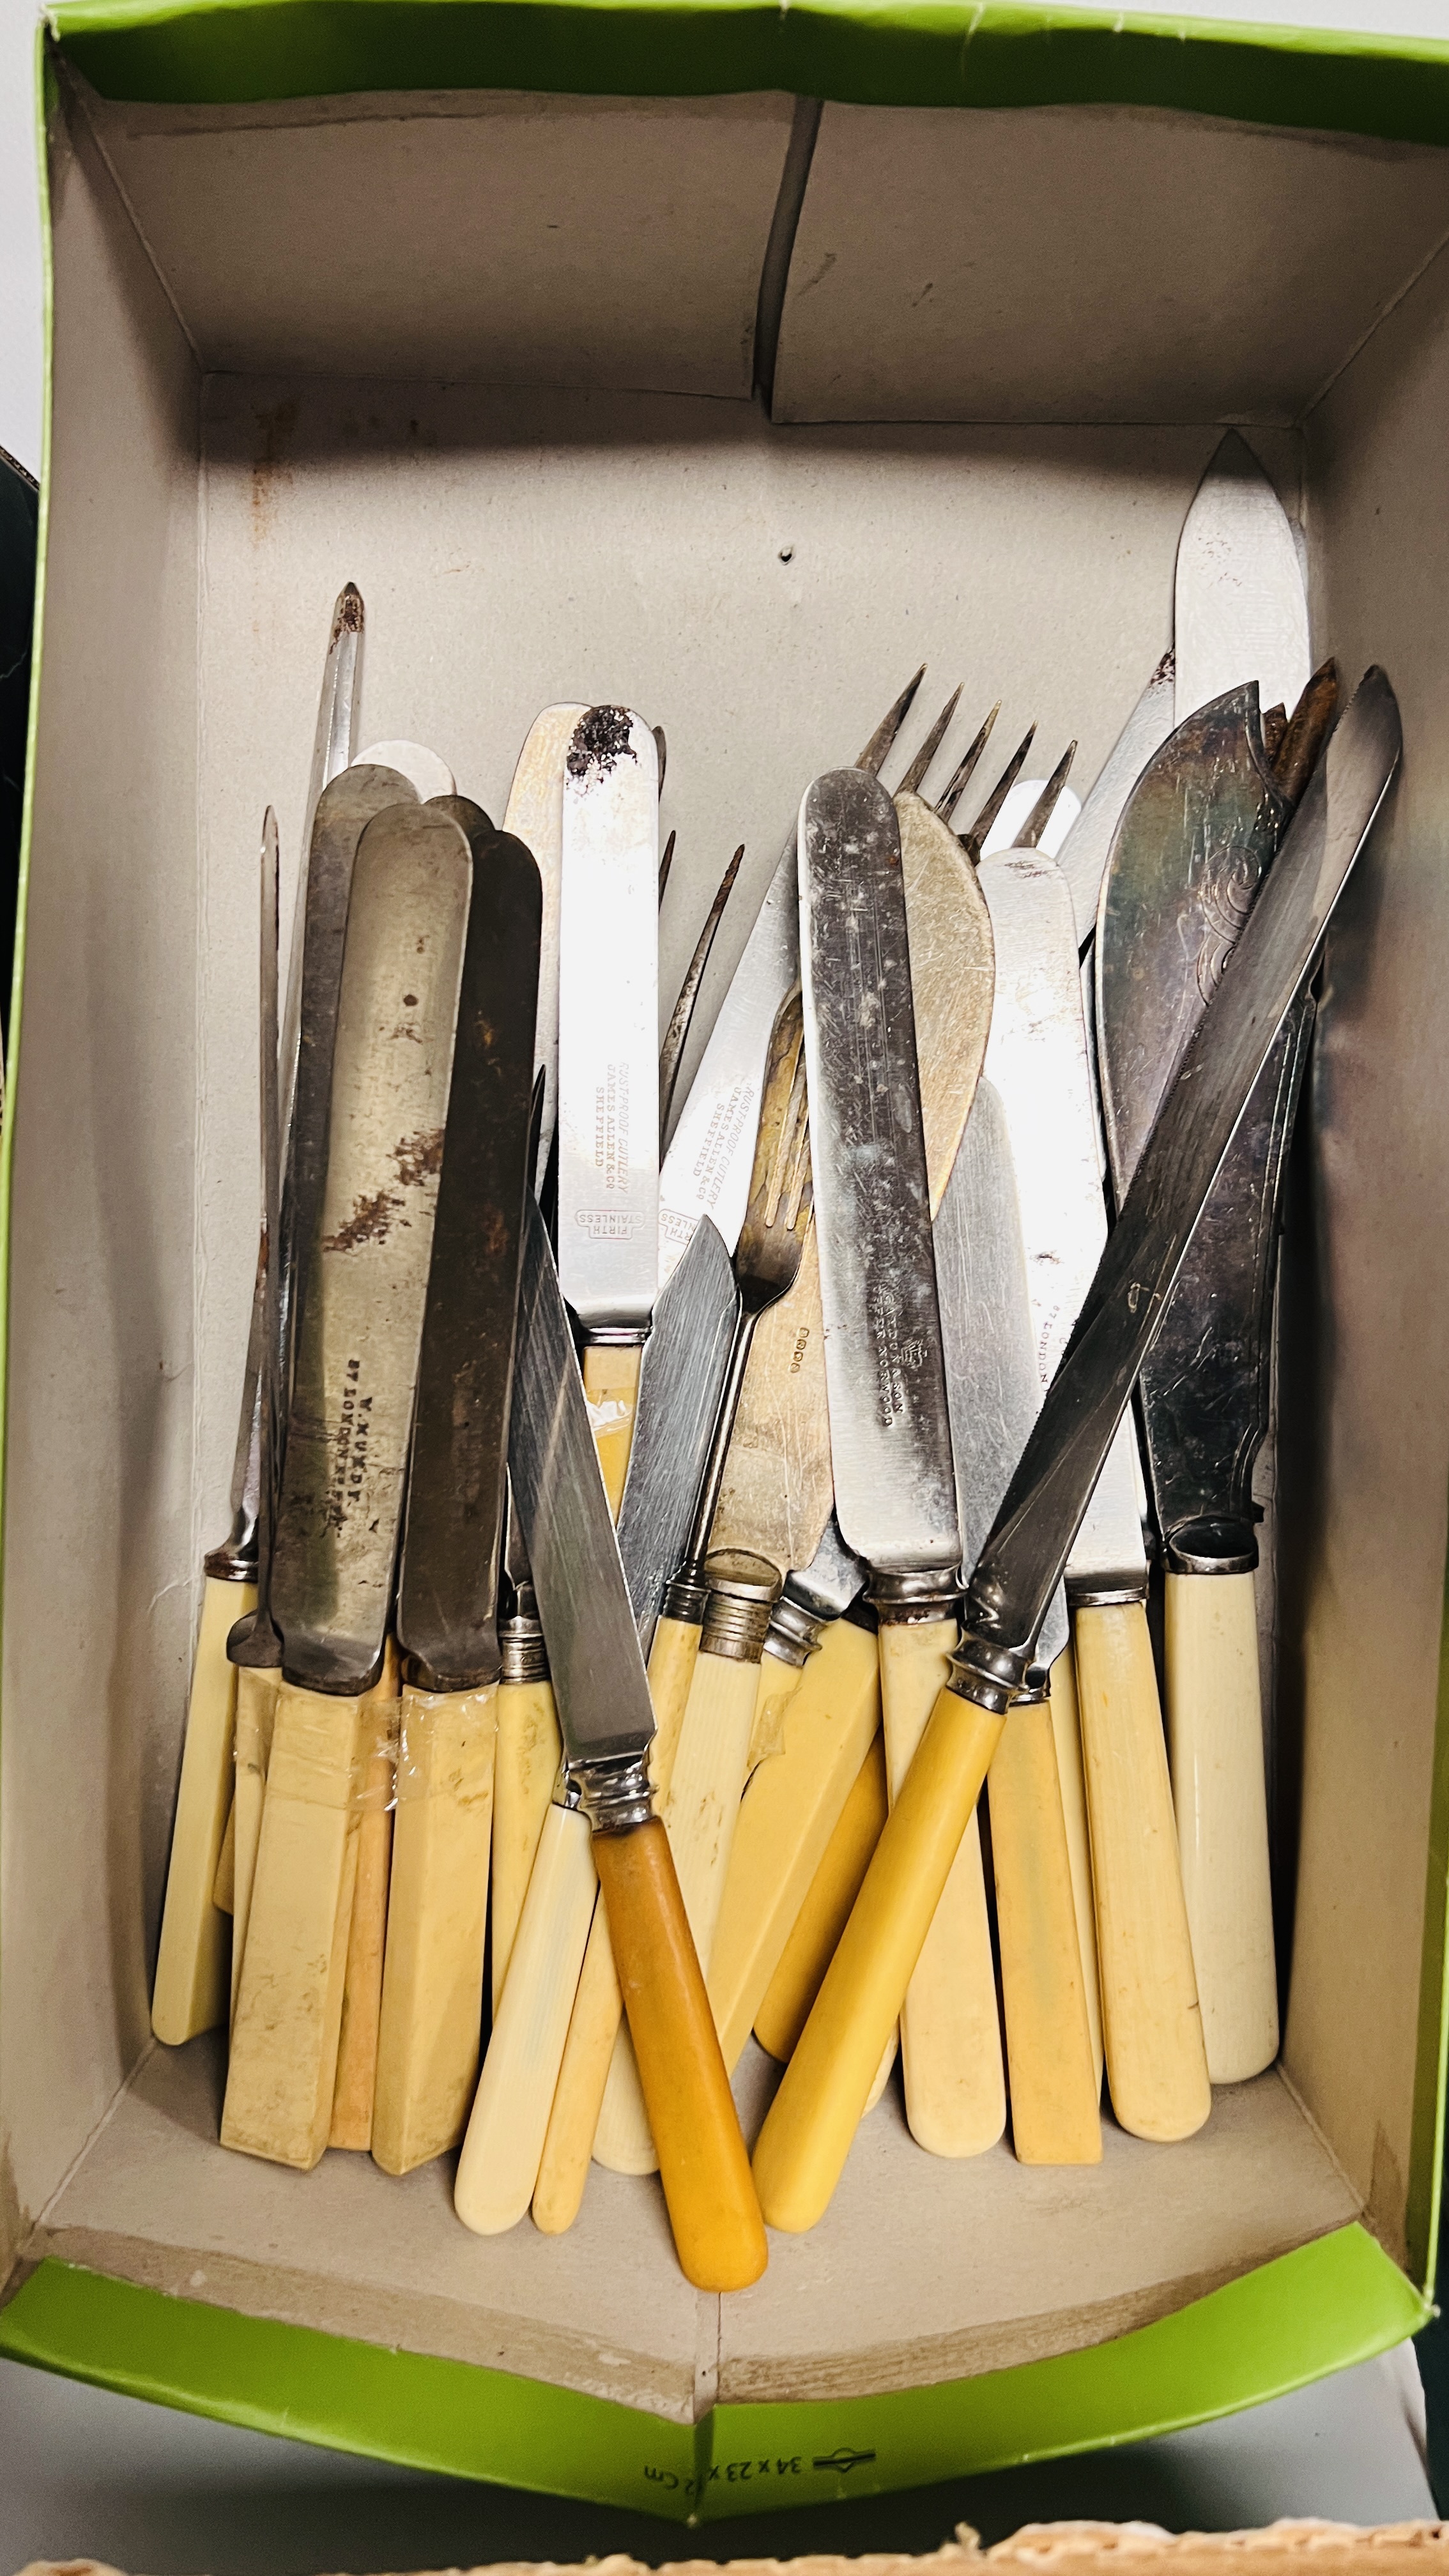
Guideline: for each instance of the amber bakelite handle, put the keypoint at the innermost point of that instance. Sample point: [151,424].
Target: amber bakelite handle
[719,2234]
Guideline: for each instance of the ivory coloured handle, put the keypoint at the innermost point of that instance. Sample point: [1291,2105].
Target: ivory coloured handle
[790,1811]
[191,1988]
[355,2089]
[1067,1736]
[525,1768]
[223,1894]
[256,1714]
[775,1695]
[432,1990]
[815,1934]
[802,2148]
[611,1383]
[955,2084]
[1156,2064]
[1055,2089]
[499,2164]
[283,2065]
[1215,1744]
[594,2025]
[719,2235]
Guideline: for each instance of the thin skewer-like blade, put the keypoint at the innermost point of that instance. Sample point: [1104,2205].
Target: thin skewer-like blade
[974,841]
[910,784]
[1029,837]
[889,726]
[662,747]
[966,769]
[676,1036]
[665,864]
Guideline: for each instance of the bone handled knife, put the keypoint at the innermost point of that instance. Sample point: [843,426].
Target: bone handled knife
[1037,1059]
[607,1724]
[806,2136]
[995,1395]
[360,1305]
[608,1161]
[447,1610]
[1240,612]
[534,814]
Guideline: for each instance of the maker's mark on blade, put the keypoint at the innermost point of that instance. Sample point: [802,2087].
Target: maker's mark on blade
[599,739]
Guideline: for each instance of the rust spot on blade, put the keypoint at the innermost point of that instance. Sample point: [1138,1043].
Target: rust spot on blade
[348,620]
[600,738]
[419,1159]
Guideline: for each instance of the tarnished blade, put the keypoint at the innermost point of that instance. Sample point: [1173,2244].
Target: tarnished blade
[681,1381]
[366,1283]
[707,1168]
[447,1618]
[1024,1556]
[1082,857]
[333,748]
[1240,611]
[583,1600]
[608,1055]
[992,1384]
[535,815]
[889,1430]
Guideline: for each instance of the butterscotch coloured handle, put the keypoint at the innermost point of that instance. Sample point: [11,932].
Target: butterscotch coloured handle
[611,1383]
[191,1992]
[802,2148]
[1156,2063]
[824,1911]
[719,2234]
[1219,1790]
[1055,2088]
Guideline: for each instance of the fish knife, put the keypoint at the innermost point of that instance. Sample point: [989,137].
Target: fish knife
[358,1319]
[995,1394]
[807,2132]
[447,1608]
[1082,857]
[1240,612]
[1190,853]
[607,1723]
[608,1062]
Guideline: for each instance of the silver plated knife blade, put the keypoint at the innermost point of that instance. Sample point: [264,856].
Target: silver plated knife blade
[608,1116]
[1083,855]
[681,1382]
[535,815]
[885,1374]
[1240,612]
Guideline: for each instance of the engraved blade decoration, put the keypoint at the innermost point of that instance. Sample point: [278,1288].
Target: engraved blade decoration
[1025,1553]
[1083,855]
[448,1582]
[681,1381]
[1240,611]
[364,1289]
[608,1063]
[594,1657]
[535,815]
[1036,1060]
[992,1382]
[885,1374]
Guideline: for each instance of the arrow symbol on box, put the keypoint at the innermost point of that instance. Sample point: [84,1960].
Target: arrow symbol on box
[843,2459]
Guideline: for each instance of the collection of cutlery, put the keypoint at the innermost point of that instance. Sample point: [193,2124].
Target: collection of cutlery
[647,1546]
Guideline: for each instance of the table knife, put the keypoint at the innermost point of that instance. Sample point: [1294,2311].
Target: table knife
[358,1318]
[1240,612]
[447,1607]
[607,1723]
[995,1392]
[807,2133]
[534,814]
[425,773]
[192,1986]
[608,1112]
[1082,857]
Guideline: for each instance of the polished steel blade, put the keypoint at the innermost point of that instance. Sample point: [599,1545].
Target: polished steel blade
[1036,1060]
[447,1620]
[834,1577]
[890,1434]
[681,1381]
[364,1289]
[608,1064]
[1240,609]
[1027,1550]
[594,1656]
[535,815]
[1082,856]
[333,747]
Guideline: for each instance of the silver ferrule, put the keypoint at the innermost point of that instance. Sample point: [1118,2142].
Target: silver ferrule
[991,1675]
[1211,1547]
[685,1597]
[743,1590]
[793,1634]
[615,1793]
[615,1337]
[1035,1690]
[236,1560]
[1104,1591]
[909,1600]
[523,1652]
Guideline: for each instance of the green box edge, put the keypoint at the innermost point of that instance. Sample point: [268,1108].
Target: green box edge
[1321,2308]
[1336,2301]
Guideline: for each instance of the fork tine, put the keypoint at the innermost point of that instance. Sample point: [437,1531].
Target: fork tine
[972,841]
[929,748]
[965,771]
[1029,837]
[665,864]
[677,1034]
[889,726]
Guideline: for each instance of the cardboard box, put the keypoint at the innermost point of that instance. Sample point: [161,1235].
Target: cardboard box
[374,294]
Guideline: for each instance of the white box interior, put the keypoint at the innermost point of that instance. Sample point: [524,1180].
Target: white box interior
[490,357]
